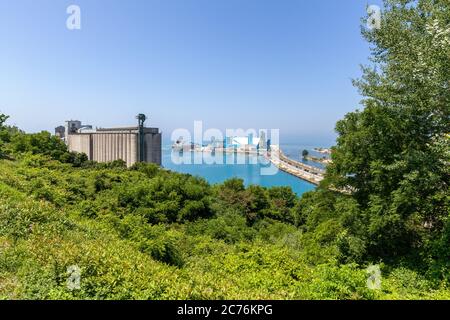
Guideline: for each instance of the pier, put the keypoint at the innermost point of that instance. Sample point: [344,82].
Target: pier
[298,169]
[303,171]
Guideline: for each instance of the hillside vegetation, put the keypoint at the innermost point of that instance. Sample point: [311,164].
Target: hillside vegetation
[148,233]
[144,233]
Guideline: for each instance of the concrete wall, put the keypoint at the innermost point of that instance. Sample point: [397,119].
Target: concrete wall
[153,148]
[108,147]
[80,143]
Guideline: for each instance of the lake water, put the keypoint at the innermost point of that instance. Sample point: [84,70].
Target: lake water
[252,169]
[294,152]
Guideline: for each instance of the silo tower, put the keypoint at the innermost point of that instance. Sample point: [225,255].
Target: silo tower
[141,119]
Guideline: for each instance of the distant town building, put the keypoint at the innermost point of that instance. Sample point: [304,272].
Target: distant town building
[248,142]
[60,132]
[262,140]
[130,144]
[71,126]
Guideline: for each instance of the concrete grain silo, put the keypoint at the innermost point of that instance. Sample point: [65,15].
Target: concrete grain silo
[130,144]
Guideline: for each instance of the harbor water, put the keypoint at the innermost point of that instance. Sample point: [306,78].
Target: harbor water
[252,169]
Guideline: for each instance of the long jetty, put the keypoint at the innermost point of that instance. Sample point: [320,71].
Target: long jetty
[303,171]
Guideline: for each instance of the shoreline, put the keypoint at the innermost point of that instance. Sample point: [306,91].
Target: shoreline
[308,173]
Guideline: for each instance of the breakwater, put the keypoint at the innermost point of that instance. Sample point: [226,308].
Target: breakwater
[303,171]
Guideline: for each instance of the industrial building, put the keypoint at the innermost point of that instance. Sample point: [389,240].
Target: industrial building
[130,144]
[248,143]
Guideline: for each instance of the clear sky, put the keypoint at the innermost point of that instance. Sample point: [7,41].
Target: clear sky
[260,64]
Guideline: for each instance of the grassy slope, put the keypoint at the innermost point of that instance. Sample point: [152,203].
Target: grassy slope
[42,233]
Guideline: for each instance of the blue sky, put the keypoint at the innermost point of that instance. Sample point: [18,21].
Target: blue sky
[284,64]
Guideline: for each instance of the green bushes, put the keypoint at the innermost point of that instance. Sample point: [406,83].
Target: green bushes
[166,198]
[162,246]
[4,136]
[123,253]
[347,282]
[230,227]
[149,169]
[14,142]
[258,203]
[144,233]
[39,143]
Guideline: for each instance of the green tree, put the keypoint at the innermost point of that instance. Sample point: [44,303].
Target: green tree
[305,153]
[43,143]
[386,154]
[257,203]
[232,192]
[3,135]
[3,119]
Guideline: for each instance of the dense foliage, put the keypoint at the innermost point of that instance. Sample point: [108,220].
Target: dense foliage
[148,233]
[394,155]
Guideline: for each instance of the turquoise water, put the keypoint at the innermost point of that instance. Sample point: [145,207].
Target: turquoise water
[294,152]
[249,168]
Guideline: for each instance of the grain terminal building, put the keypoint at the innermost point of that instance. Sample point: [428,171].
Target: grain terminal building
[130,144]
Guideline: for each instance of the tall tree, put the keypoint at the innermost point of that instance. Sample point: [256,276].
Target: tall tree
[3,133]
[394,154]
